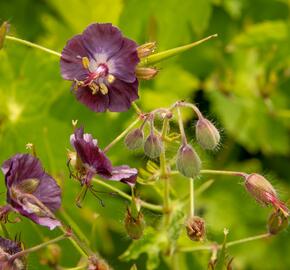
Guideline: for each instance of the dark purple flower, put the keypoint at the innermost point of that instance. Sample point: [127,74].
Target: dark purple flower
[102,62]
[94,161]
[7,249]
[30,191]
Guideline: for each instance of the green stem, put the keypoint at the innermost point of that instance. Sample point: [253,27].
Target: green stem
[181,128]
[33,45]
[191,196]
[136,108]
[153,207]
[4,230]
[229,244]
[121,136]
[38,247]
[82,267]
[233,173]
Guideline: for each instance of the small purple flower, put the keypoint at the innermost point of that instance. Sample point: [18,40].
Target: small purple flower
[7,249]
[94,162]
[102,62]
[30,191]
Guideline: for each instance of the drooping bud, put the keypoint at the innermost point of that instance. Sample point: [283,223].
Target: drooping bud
[134,139]
[50,256]
[153,146]
[264,193]
[134,225]
[207,134]
[146,73]
[4,28]
[277,222]
[188,162]
[146,49]
[195,227]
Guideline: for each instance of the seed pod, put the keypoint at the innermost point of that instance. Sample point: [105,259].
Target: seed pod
[134,139]
[277,222]
[195,227]
[134,226]
[188,162]
[263,192]
[207,134]
[146,73]
[153,146]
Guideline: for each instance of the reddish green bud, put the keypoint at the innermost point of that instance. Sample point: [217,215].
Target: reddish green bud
[153,146]
[146,73]
[195,227]
[134,226]
[51,255]
[4,28]
[134,139]
[146,49]
[188,162]
[97,264]
[263,192]
[277,222]
[207,134]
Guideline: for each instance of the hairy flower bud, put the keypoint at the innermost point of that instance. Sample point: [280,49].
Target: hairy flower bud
[277,222]
[195,227]
[146,73]
[187,162]
[207,134]
[153,146]
[146,49]
[4,28]
[264,193]
[134,139]
[134,226]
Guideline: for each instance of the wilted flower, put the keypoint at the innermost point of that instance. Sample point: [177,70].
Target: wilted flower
[153,146]
[94,162]
[195,227]
[262,190]
[30,191]
[188,162]
[97,264]
[7,249]
[277,222]
[134,139]
[207,134]
[146,49]
[102,62]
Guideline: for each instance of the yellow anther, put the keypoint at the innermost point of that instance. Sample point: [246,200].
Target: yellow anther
[104,89]
[95,88]
[111,78]
[86,62]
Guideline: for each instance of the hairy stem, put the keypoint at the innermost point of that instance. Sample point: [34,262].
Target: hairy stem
[191,196]
[181,128]
[33,45]
[153,207]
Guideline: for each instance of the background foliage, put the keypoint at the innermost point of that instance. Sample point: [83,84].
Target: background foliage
[240,80]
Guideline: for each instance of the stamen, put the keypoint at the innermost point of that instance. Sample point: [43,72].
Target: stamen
[86,62]
[111,78]
[95,88]
[104,89]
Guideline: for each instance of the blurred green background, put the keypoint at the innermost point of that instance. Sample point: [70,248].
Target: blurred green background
[241,80]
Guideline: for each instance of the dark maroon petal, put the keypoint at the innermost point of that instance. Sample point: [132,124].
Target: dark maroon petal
[123,63]
[102,40]
[21,167]
[71,60]
[97,102]
[121,95]
[123,174]
[9,246]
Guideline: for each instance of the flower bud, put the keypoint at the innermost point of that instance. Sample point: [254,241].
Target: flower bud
[51,255]
[146,49]
[146,73]
[97,264]
[134,226]
[277,222]
[153,146]
[4,28]
[195,227]
[187,162]
[134,139]
[207,134]
[263,192]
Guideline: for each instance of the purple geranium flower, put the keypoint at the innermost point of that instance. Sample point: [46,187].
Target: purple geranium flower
[102,62]
[93,161]
[30,191]
[7,249]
